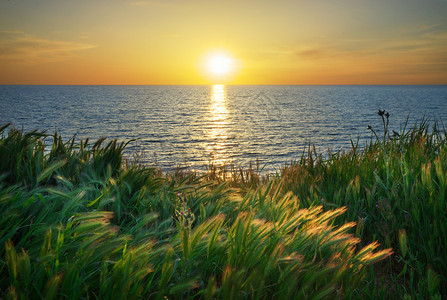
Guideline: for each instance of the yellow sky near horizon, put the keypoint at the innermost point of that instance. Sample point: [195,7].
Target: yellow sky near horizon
[271,42]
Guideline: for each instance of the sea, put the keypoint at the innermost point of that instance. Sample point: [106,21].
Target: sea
[195,127]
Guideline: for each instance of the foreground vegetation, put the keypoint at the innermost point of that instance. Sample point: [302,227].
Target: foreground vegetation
[76,221]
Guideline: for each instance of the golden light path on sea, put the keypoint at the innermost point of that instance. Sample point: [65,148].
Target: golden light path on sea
[217,131]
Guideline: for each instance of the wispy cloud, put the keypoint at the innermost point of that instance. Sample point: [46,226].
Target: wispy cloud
[155,3]
[20,47]
[425,43]
[172,35]
[139,3]
[314,52]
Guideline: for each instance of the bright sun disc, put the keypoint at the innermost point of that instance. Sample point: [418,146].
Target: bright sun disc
[220,64]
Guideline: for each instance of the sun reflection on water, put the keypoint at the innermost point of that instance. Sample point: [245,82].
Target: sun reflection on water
[217,126]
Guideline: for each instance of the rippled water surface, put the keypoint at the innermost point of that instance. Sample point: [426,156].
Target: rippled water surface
[197,125]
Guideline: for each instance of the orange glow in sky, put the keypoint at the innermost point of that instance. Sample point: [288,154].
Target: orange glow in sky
[263,42]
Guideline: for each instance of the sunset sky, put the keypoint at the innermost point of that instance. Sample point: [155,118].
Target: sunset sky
[269,42]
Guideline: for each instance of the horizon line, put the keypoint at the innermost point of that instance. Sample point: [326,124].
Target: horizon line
[212,84]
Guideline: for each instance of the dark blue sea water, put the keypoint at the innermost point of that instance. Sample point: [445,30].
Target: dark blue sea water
[192,126]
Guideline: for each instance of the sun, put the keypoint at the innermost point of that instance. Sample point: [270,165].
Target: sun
[219,66]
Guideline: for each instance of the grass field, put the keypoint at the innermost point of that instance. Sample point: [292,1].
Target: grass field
[78,221]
